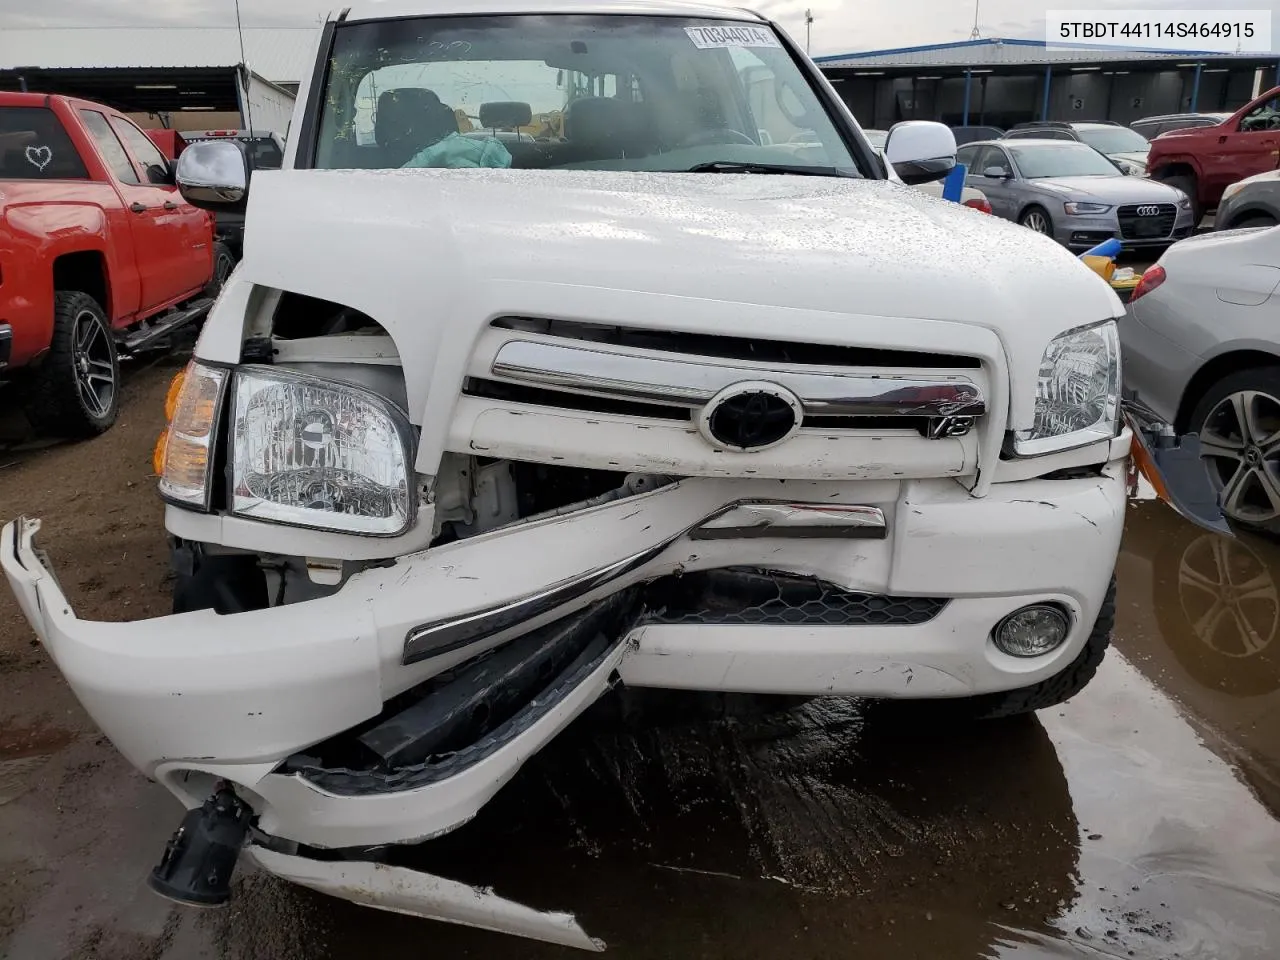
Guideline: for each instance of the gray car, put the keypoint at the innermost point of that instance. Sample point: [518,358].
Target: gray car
[1201,348]
[1252,202]
[1074,194]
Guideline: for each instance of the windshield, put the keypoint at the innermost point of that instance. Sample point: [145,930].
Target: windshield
[1037,161]
[616,92]
[1113,139]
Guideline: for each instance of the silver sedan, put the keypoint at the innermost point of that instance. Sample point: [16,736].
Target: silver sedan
[1071,192]
[1201,347]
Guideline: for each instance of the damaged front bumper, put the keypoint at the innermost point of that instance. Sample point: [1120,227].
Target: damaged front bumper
[369,717]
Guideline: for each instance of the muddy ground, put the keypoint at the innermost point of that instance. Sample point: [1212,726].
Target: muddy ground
[1136,821]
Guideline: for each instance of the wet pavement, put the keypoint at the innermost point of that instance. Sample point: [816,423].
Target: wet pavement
[1138,820]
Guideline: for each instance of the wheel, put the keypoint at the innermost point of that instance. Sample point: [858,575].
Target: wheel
[1037,219]
[1047,693]
[1187,184]
[75,392]
[224,262]
[1256,220]
[1238,421]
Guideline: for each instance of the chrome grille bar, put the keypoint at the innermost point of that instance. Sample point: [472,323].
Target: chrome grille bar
[687,382]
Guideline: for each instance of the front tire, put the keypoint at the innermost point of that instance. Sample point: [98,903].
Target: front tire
[1037,219]
[1258,220]
[1187,184]
[1238,422]
[75,392]
[224,262]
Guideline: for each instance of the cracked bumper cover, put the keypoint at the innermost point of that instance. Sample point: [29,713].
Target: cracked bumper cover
[236,696]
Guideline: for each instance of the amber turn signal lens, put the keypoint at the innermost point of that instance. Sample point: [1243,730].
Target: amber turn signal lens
[171,397]
[157,455]
[186,452]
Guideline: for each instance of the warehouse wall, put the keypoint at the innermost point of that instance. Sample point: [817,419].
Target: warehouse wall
[1102,94]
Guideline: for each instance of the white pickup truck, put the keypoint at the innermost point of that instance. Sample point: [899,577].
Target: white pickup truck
[546,371]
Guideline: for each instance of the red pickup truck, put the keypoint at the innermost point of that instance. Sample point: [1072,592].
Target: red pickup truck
[99,255]
[1204,161]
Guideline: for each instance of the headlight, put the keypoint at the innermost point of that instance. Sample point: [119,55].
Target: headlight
[1231,191]
[317,453]
[1075,209]
[1077,392]
[183,455]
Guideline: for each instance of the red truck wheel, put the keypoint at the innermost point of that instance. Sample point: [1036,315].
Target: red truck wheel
[1187,184]
[76,390]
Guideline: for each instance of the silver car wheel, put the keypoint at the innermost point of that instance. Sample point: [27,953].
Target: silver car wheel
[1241,440]
[1037,221]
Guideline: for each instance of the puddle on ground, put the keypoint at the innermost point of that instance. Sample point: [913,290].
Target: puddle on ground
[1101,829]
[1200,615]
[23,750]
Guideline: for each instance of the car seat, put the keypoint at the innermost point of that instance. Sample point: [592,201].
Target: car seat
[408,120]
[604,128]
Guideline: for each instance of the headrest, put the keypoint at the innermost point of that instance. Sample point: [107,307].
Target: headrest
[605,120]
[505,113]
[414,115]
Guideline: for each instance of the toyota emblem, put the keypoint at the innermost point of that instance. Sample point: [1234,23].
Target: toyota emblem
[750,416]
[1149,210]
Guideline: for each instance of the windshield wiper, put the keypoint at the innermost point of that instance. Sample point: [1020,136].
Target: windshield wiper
[729,166]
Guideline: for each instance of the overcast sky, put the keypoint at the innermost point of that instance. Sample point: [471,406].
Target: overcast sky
[840,25]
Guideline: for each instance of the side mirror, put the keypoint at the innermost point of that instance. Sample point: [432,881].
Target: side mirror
[921,151]
[997,173]
[214,175]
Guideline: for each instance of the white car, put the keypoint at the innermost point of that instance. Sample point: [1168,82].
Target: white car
[480,428]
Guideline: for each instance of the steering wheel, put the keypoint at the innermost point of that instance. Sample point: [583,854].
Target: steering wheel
[704,138]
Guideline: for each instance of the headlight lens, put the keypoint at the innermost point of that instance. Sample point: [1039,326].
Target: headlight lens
[317,453]
[1077,392]
[1231,191]
[1075,209]
[192,410]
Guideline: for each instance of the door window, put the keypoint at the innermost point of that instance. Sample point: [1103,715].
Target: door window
[154,165]
[1264,117]
[33,146]
[109,145]
[994,159]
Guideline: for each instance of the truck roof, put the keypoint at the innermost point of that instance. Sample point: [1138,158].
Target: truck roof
[390,9]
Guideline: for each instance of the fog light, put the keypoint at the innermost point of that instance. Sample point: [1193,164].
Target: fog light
[1032,631]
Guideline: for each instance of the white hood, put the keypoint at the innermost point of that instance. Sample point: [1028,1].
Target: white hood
[433,255]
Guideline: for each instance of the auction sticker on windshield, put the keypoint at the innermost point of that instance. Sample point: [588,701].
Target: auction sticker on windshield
[705,38]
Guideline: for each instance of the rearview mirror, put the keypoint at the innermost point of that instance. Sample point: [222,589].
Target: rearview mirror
[214,175]
[921,151]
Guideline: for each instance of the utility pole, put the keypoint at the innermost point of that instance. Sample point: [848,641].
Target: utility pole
[808,29]
[975,34]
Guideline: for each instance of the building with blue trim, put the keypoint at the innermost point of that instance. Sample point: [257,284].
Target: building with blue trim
[1000,82]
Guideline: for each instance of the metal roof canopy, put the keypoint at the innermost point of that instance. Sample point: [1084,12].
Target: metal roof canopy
[136,89]
[1018,56]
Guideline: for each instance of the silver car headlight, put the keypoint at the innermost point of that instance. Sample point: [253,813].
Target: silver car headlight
[319,453]
[1077,392]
